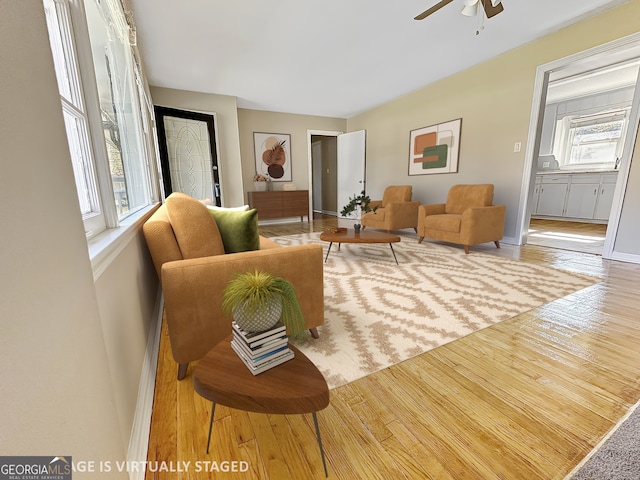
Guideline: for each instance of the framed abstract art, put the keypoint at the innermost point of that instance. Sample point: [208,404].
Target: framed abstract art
[273,155]
[435,149]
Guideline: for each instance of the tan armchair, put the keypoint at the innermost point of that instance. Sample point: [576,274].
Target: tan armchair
[468,217]
[188,254]
[395,210]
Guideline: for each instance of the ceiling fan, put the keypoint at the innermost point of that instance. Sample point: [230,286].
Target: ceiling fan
[491,8]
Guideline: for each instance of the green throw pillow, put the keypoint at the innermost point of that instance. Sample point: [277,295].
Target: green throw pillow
[239,230]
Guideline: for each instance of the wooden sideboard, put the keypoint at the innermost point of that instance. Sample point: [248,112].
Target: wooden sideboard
[280,204]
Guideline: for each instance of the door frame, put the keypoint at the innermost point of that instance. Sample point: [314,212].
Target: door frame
[533,140]
[211,120]
[310,133]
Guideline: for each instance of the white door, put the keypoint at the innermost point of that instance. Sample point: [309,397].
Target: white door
[351,166]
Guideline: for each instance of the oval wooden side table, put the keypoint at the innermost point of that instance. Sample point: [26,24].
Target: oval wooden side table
[295,386]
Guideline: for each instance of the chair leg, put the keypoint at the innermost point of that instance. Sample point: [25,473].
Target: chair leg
[314,332]
[182,370]
[466,249]
[415,229]
[497,244]
[363,227]
[420,239]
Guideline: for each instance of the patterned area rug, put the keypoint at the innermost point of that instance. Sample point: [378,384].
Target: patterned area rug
[378,313]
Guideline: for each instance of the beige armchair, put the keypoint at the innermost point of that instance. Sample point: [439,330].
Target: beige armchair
[188,254]
[468,217]
[395,211]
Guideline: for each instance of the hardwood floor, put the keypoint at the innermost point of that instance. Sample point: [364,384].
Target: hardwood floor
[526,399]
[576,236]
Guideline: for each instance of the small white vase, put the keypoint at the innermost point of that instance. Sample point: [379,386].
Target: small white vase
[260,186]
[263,319]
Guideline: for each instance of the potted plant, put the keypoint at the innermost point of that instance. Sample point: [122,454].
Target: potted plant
[257,300]
[358,204]
[260,182]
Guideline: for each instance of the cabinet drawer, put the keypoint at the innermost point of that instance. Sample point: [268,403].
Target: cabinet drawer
[593,178]
[295,203]
[280,204]
[555,178]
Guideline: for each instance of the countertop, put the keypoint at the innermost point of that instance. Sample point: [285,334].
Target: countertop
[573,172]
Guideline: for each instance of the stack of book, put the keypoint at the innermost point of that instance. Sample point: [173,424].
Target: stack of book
[261,351]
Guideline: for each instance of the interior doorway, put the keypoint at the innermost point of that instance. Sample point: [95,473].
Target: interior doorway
[583,123]
[324,168]
[336,169]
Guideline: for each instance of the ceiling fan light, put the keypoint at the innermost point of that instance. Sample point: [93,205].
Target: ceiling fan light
[470,10]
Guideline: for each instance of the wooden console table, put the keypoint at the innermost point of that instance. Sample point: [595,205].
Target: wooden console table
[279,204]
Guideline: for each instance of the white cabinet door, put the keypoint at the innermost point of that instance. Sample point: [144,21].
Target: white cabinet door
[581,200]
[551,199]
[536,197]
[605,200]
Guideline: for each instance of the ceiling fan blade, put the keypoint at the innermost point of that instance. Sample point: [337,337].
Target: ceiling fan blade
[490,9]
[435,8]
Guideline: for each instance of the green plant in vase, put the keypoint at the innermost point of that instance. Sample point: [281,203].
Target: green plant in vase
[257,300]
[358,204]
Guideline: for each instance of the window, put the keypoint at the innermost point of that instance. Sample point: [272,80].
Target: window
[73,107]
[107,126]
[591,140]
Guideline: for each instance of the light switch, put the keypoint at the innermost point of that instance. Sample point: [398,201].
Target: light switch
[517,146]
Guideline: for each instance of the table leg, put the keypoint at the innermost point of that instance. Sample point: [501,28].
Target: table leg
[324,463]
[327,256]
[213,409]
[394,253]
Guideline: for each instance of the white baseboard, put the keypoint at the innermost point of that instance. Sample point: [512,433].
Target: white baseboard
[625,257]
[139,441]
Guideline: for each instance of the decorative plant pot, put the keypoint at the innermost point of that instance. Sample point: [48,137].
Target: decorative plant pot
[356,227]
[260,186]
[261,320]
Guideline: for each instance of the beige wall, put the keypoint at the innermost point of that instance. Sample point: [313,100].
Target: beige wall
[494,101]
[226,112]
[250,121]
[126,294]
[57,396]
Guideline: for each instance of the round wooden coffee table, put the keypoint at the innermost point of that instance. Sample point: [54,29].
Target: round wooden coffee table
[295,386]
[364,236]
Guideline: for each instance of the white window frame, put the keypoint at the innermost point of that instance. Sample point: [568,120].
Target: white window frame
[102,220]
[564,132]
[77,107]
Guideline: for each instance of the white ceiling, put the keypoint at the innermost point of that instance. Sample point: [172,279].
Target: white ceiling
[334,58]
